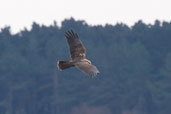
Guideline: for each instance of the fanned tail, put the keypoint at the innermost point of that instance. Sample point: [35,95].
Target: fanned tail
[62,65]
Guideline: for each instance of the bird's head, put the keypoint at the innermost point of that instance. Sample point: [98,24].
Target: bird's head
[88,61]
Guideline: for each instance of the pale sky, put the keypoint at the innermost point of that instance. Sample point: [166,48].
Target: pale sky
[21,13]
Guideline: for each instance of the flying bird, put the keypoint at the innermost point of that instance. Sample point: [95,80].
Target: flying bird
[78,56]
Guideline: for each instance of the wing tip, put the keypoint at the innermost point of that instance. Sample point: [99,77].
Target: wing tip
[93,74]
[71,34]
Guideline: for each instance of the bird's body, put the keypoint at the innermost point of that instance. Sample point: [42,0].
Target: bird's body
[78,56]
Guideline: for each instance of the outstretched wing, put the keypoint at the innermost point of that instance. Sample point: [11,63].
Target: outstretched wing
[77,50]
[88,69]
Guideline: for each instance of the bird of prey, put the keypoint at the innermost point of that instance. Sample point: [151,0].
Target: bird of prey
[78,56]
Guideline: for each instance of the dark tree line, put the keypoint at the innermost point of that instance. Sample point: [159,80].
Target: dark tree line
[135,66]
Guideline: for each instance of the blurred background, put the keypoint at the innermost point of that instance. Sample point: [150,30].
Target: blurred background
[133,56]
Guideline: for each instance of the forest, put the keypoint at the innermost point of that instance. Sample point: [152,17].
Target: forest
[134,64]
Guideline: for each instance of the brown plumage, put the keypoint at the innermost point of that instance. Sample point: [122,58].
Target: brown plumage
[62,65]
[78,56]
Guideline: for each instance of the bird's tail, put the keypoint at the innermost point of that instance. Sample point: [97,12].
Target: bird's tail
[62,65]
